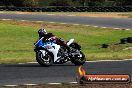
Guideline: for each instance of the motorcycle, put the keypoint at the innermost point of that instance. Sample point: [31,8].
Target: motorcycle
[48,53]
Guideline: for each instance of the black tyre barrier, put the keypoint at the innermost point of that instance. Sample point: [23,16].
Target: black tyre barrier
[129,40]
[123,41]
[68,9]
[105,45]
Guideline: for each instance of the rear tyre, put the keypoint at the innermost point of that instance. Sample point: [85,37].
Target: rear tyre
[78,59]
[46,60]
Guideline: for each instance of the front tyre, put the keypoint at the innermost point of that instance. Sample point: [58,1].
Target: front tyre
[78,59]
[46,60]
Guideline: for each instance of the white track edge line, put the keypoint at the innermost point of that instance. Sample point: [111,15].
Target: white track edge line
[86,61]
[50,14]
[87,25]
[70,15]
[63,23]
[127,29]
[95,26]
[38,84]
[104,27]
[21,63]
[10,85]
[40,21]
[5,19]
[23,20]
[76,24]
[52,22]
[54,83]
[32,62]
[117,28]
[110,60]
[30,84]
[73,82]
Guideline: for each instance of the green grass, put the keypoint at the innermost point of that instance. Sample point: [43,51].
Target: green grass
[16,43]
[17,40]
[126,14]
[44,3]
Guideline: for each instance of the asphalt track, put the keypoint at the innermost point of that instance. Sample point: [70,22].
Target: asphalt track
[19,74]
[124,23]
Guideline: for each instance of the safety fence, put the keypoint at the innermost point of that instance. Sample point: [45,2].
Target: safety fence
[68,9]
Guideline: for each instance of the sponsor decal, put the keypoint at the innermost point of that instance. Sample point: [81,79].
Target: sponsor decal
[102,78]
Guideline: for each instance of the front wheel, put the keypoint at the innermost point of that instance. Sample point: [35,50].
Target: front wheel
[78,59]
[44,60]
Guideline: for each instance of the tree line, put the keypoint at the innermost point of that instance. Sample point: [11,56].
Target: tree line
[42,3]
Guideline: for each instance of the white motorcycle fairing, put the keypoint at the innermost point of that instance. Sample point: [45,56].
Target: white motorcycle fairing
[54,49]
[70,42]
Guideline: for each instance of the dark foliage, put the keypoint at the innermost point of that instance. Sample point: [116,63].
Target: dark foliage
[33,3]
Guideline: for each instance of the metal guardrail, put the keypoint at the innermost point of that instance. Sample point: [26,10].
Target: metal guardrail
[68,9]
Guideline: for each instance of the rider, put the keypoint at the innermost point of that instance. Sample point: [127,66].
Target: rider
[59,41]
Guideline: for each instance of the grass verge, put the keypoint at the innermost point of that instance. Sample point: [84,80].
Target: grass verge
[17,38]
[129,15]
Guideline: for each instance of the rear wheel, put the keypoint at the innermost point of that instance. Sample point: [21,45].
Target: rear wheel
[78,59]
[46,60]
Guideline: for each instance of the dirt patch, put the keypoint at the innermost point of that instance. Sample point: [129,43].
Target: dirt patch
[24,13]
[111,15]
[39,24]
[105,14]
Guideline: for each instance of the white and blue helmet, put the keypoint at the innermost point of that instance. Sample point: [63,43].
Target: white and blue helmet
[42,32]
